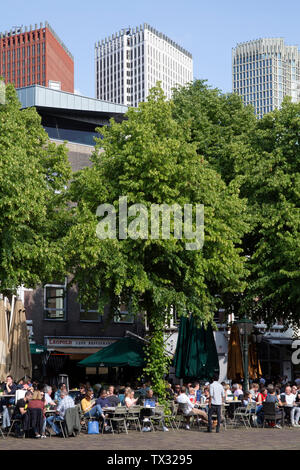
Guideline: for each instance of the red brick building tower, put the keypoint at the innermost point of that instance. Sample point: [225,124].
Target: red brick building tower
[36,56]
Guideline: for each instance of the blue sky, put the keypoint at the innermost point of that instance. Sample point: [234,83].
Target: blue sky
[208,29]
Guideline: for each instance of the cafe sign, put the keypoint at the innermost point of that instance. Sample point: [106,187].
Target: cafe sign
[71,342]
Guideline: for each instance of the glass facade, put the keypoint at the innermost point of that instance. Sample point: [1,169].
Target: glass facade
[263,72]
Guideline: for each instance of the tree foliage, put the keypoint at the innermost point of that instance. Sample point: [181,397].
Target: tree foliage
[33,211]
[270,180]
[149,159]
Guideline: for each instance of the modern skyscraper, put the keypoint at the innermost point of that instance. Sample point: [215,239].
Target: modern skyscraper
[264,71]
[132,61]
[36,56]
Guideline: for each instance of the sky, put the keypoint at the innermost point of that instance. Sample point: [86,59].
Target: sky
[207,29]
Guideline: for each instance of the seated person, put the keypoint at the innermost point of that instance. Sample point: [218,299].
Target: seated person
[177,388]
[150,400]
[61,388]
[20,411]
[247,399]
[90,407]
[237,391]
[102,400]
[129,398]
[288,399]
[121,395]
[65,402]
[150,403]
[192,395]
[273,398]
[205,396]
[190,409]
[47,396]
[112,398]
[10,388]
[38,402]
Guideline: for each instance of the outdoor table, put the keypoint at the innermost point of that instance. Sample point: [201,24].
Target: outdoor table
[231,407]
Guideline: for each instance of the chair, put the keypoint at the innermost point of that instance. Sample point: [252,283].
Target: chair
[271,413]
[118,418]
[182,413]
[240,416]
[172,418]
[62,426]
[159,417]
[72,420]
[133,416]
[1,432]
[12,425]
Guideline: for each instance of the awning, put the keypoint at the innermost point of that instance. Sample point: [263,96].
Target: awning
[125,352]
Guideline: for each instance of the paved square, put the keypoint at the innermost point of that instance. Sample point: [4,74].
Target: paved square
[235,439]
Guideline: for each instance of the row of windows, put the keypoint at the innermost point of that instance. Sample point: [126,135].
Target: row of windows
[243,59]
[55,307]
[20,52]
[22,38]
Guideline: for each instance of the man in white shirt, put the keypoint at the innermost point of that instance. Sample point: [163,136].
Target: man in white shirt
[189,409]
[216,399]
[288,399]
[47,396]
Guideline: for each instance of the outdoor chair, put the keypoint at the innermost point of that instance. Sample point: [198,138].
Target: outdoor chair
[72,421]
[271,413]
[182,414]
[159,417]
[240,417]
[118,418]
[172,419]
[133,417]
[12,427]
[1,432]
[62,427]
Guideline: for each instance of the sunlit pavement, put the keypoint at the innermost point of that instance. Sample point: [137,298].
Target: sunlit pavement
[235,439]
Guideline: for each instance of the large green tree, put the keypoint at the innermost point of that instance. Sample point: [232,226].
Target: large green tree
[270,180]
[148,158]
[262,159]
[218,124]
[33,210]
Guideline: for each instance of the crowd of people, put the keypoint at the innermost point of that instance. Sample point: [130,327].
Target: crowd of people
[200,401]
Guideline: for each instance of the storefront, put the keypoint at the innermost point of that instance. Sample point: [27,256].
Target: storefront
[64,353]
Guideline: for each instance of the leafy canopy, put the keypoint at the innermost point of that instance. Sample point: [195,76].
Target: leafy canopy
[33,211]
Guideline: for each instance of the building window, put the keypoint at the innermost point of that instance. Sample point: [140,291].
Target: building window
[122,315]
[90,315]
[54,302]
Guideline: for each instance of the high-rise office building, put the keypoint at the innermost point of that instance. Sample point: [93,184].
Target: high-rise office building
[264,71]
[132,61]
[36,56]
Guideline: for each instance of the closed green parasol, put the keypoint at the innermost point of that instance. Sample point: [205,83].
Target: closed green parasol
[125,352]
[196,354]
[181,347]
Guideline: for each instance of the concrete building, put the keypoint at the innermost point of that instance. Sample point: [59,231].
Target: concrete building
[264,71]
[36,56]
[130,62]
[72,118]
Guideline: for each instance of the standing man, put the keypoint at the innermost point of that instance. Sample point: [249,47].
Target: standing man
[216,399]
